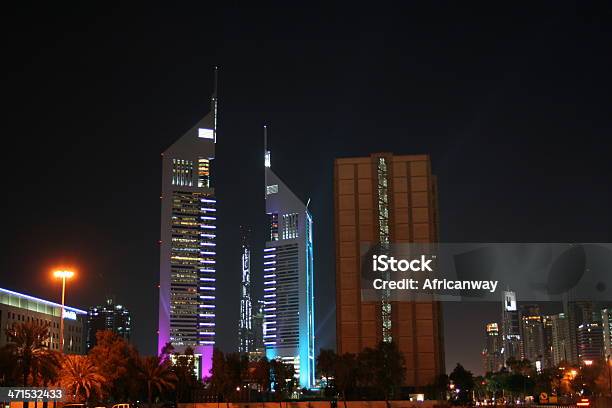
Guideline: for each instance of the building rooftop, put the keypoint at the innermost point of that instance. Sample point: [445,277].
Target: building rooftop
[16,299]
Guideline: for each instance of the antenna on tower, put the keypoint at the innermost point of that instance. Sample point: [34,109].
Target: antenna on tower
[267,161]
[214,101]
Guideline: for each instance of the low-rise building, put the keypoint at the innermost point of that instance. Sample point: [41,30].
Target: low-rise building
[17,307]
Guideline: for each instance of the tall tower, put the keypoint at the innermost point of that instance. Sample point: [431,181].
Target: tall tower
[511,331]
[384,199]
[288,326]
[606,325]
[492,357]
[245,329]
[532,335]
[561,344]
[188,241]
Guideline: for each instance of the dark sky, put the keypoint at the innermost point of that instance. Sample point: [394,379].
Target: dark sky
[513,104]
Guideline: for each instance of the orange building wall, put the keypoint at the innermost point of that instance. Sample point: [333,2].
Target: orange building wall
[415,327]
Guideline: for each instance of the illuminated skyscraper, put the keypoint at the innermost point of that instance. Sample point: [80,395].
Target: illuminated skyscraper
[590,340]
[110,316]
[513,347]
[606,326]
[492,353]
[385,199]
[245,325]
[579,313]
[532,335]
[561,344]
[188,241]
[288,327]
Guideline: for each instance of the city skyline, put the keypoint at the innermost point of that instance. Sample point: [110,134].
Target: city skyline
[505,128]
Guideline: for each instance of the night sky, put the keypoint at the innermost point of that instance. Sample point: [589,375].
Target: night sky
[513,105]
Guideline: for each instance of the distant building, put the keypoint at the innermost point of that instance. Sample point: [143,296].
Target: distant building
[590,342]
[511,329]
[288,326]
[578,313]
[385,199]
[110,316]
[532,335]
[492,352]
[548,341]
[259,349]
[561,345]
[20,308]
[245,324]
[606,325]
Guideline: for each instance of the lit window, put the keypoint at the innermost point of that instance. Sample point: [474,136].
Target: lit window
[206,134]
[203,172]
[273,189]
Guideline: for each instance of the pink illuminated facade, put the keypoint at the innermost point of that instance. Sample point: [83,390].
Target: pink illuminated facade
[187,282]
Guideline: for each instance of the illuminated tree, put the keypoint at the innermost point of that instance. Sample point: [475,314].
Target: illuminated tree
[157,375]
[81,378]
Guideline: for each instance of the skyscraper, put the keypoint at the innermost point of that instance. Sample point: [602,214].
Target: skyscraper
[288,326]
[385,199]
[492,352]
[548,341]
[245,328]
[188,241]
[110,316]
[606,325]
[590,342]
[578,313]
[561,344]
[511,328]
[532,334]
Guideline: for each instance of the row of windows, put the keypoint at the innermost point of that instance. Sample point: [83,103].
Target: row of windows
[183,172]
[290,226]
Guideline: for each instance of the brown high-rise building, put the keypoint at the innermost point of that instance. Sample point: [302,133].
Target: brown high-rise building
[386,199]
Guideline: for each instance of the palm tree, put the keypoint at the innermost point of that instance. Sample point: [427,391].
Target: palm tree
[81,377]
[157,374]
[28,344]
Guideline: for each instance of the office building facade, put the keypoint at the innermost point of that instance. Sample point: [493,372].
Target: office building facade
[187,282]
[16,308]
[109,316]
[386,199]
[578,313]
[606,327]
[561,343]
[492,353]
[511,328]
[245,324]
[532,335]
[590,342]
[288,324]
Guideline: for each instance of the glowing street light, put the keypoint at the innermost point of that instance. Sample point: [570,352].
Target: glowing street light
[63,275]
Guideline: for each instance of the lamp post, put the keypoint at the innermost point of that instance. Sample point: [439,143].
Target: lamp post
[63,275]
[609,373]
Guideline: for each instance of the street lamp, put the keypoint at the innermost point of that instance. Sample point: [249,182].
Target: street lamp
[63,275]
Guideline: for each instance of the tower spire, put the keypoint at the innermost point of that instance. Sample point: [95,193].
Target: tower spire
[266,151]
[214,101]
[266,160]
